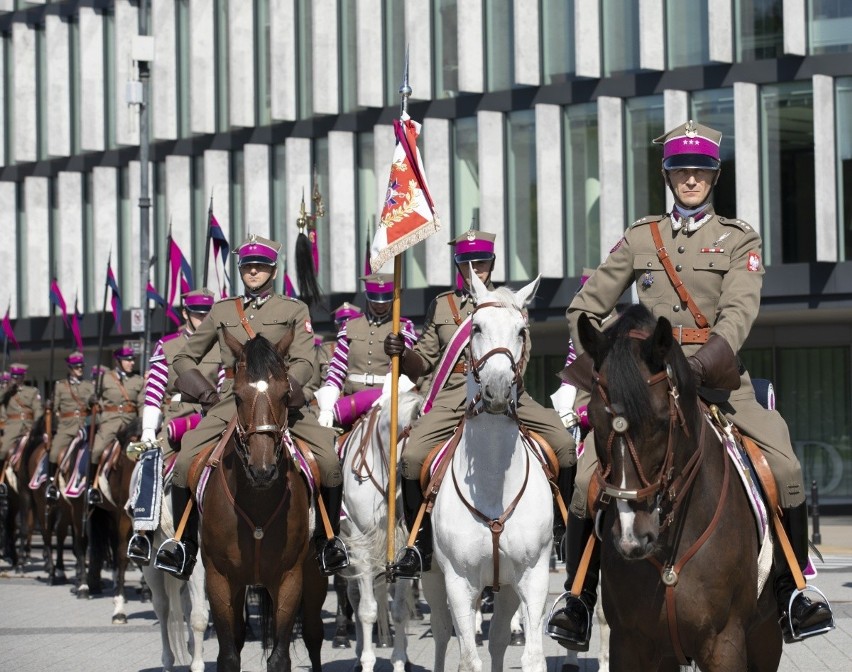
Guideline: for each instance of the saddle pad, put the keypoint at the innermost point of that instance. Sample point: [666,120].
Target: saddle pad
[40,474]
[18,451]
[77,481]
[146,491]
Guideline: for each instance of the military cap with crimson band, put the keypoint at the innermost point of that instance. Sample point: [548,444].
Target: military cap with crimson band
[18,370]
[199,300]
[75,359]
[473,246]
[691,145]
[346,311]
[258,250]
[124,353]
[379,287]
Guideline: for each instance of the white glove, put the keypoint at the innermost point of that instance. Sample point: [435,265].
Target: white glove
[404,385]
[326,418]
[326,397]
[563,401]
[148,436]
[151,416]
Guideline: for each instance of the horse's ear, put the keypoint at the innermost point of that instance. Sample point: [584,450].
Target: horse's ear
[282,346]
[662,341]
[526,294]
[235,346]
[592,340]
[478,287]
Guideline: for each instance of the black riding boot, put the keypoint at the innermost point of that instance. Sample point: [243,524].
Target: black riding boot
[51,494]
[571,626]
[332,554]
[806,618]
[94,495]
[418,558]
[139,546]
[565,482]
[178,556]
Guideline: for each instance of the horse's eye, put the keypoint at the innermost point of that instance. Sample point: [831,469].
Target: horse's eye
[475,329]
[522,332]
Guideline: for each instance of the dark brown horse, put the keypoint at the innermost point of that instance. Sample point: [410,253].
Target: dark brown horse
[256,515]
[679,549]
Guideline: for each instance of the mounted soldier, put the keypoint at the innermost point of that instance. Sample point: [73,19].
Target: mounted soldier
[324,351]
[23,405]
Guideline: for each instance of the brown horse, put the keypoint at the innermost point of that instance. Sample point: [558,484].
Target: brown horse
[255,526]
[679,550]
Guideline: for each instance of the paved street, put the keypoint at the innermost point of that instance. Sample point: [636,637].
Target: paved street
[46,629]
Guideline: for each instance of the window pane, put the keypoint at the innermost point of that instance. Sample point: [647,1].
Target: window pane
[304,59]
[278,226]
[844,165]
[760,30]
[263,102]
[323,230]
[620,36]
[348,56]
[109,79]
[830,24]
[715,108]
[446,51]
[368,206]
[557,35]
[582,188]
[687,47]
[787,149]
[184,85]
[465,174]
[499,46]
[521,188]
[644,121]
[394,50]
[220,13]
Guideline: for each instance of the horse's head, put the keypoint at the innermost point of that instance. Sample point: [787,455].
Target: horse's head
[499,327]
[262,391]
[643,403]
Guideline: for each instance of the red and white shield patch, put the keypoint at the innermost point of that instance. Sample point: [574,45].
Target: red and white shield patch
[309,327]
[753,263]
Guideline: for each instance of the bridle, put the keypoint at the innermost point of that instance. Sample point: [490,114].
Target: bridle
[475,407]
[275,428]
[666,493]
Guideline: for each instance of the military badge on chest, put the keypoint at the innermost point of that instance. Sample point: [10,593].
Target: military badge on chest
[647,279]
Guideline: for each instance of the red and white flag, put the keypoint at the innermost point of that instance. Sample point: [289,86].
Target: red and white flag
[408,215]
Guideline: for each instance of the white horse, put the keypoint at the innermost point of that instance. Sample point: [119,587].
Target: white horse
[181,606]
[365,486]
[492,476]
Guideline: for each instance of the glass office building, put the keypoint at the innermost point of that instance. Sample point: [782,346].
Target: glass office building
[537,119]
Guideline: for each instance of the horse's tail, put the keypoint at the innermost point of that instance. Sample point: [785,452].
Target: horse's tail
[267,621]
[101,532]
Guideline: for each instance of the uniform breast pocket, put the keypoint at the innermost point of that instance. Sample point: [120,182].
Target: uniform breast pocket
[651,280]
[274,329]
[709,270]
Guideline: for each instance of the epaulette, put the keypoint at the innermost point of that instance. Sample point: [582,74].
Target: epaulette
[171,337]
[648,219]
[738,223]
[449,291]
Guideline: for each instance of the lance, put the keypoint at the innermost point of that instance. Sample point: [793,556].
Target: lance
[48,388]
[166,305]
[99,381]
[404,92]
[149,314]
[207,243]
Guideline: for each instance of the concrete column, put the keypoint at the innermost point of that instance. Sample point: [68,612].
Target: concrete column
[7,5]
[36,244]
[795,27]
[25,138]
[825,166]
[419,29]
[164,68]
[105,223]
[257,189]
[326,73]
[492,184]
[241,44]
[587,43]
[720,28]
[126,116]
[345,266]
[652,34]
[131,232]
[92,119]
[3,119]
[747,148]
[298,171]
[68,236]
[282,50]
[179,200]
[58,86]
[611,153]
[437,146]
[383,147]
[471,47]
[202,55]
[527,42]
[675,111]
[551,213]
[370,63]
[9,261]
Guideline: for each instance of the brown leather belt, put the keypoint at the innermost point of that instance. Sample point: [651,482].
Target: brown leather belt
[19,416]
[686,336]
[73,414]
[121,408]
[460,367]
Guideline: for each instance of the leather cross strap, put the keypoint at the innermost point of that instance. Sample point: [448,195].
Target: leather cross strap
[677,283]
[238,302]
[455,311]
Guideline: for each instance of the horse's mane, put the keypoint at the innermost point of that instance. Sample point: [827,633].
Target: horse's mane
[504,296]
[262,360]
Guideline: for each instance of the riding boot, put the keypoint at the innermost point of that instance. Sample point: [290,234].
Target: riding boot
[418,558]
[139,546]
[51,494]
[178,556]
[94,495]
[571,626]
[332,554]
[805,617]
[565,482]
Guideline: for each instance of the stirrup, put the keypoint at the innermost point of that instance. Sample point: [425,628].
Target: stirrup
[94,497]
[144,557]
[51,493]
[393,570]
[330,545]
[791,634]
[4,490]
[556,634]
[172,546]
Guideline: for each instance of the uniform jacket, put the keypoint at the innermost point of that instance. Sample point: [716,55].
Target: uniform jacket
[71,395]
[121,391]
[22,409]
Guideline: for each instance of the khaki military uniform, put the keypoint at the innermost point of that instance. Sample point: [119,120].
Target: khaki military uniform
[322,358]
[270,317]
[720,266]
[70,412]
[449,404]
[22,409]
[120,400]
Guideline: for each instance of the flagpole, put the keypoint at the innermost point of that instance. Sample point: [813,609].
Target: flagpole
[404,92]
[166,305]
[207,244]
[99,381]
[149,313]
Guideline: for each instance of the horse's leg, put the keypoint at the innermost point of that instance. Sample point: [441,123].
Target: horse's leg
[366,611]
[462,598]
[532,589]
[518,638]
[314,589]
[383,631]
[160,602]
[506,602]
[440,621]
[226,603]
[353,594]
[124,528]
[199,615]
[603,628]
[400,614]
[61,530]
[763,643]
[285,609]
[341,620]
[630,652]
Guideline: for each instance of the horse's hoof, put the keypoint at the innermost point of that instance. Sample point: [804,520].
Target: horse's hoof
[82,593]
[340,642]
[518,639]
[478,639]
[119,619]
[145,594]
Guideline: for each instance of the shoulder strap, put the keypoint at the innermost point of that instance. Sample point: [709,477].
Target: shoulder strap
[677,283]
[238,302]
[455,311]
[121,386]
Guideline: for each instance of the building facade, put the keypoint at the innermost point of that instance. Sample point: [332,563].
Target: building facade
[537,120]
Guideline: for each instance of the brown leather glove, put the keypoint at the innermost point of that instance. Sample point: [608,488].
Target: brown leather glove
[715,365]
[411,363]
[194,387]
[579,372]
[297,394]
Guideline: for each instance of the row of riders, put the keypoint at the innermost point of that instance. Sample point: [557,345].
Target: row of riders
[188,403]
